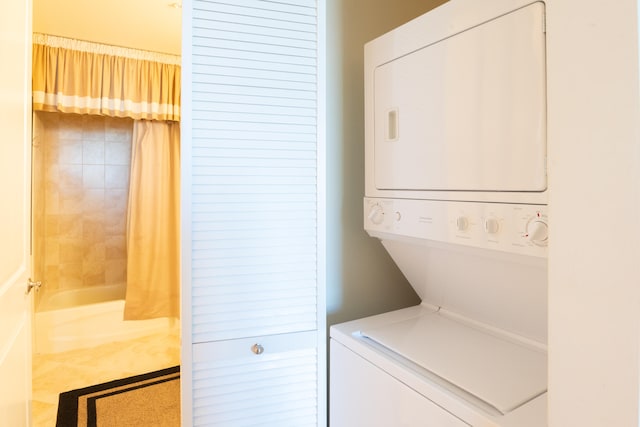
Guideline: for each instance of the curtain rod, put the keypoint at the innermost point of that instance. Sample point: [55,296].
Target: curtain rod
[106,49]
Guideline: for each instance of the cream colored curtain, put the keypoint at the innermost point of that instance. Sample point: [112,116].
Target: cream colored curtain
[153,227]
[72,76]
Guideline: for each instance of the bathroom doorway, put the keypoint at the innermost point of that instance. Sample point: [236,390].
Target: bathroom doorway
[81,167]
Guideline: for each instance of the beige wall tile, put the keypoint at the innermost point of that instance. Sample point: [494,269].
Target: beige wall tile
[71,250]
[70,202]
[119,130]
[116,247]
[52,252]
[69,177]
[70,127]
[93,229]
[51,172]
[93,151]
[51,151]
[93,204]
[52,277]
[70,275]
[52,202]
[83,224]
[38,205]
[69,152]
[95,252]
[117,199]
[116,272]
[93,128]
[51,226]
[93,176]
[116,136]
[93,272]
[118,153]
[70,226]
[93,279]
[116,176]
[115,225]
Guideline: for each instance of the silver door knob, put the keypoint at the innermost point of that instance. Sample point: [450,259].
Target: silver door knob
[257,349]
[32,285]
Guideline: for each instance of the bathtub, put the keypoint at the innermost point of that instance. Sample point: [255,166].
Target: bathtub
[81,318]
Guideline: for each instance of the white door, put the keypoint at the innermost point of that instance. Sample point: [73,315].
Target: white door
[15,193]
[253,286]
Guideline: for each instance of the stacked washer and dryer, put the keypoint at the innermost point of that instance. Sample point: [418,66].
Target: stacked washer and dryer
[456,191]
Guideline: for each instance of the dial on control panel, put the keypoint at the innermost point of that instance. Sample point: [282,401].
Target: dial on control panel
[462,223]
[376,214]
[537,232]
[491,225]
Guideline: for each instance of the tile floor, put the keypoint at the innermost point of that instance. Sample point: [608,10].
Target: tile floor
[60,372]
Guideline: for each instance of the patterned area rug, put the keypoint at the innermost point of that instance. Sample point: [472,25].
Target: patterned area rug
[151,399]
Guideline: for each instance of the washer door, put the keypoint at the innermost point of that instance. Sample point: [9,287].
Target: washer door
[362,394]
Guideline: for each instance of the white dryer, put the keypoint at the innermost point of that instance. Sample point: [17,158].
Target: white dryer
[455,165]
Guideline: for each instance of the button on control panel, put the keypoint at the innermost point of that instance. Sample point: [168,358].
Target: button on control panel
[515,228]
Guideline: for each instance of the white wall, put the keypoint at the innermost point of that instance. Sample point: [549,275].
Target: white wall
[594,260]
[361,278]
[142,24]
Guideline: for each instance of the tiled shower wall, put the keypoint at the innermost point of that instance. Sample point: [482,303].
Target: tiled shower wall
[85,174]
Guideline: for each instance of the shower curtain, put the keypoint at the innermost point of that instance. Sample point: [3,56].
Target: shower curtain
[153,224]
[73,76]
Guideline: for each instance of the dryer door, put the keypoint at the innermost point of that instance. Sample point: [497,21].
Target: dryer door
[466,113]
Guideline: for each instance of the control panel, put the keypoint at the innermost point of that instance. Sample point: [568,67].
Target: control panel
[514,228]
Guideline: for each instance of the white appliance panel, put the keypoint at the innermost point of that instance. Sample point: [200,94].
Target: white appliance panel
[508,293]
[501,372]
[513,228]
[466,113]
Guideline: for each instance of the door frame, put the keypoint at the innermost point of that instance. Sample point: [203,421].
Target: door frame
[15,217]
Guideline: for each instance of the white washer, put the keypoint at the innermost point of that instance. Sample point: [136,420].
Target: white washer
[474,352]
[420,367]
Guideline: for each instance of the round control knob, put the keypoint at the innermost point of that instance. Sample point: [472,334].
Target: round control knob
[537,232]
[376,214]
[462,223]
[491,225]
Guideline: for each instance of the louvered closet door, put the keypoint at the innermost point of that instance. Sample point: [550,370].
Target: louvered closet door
[253,292]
